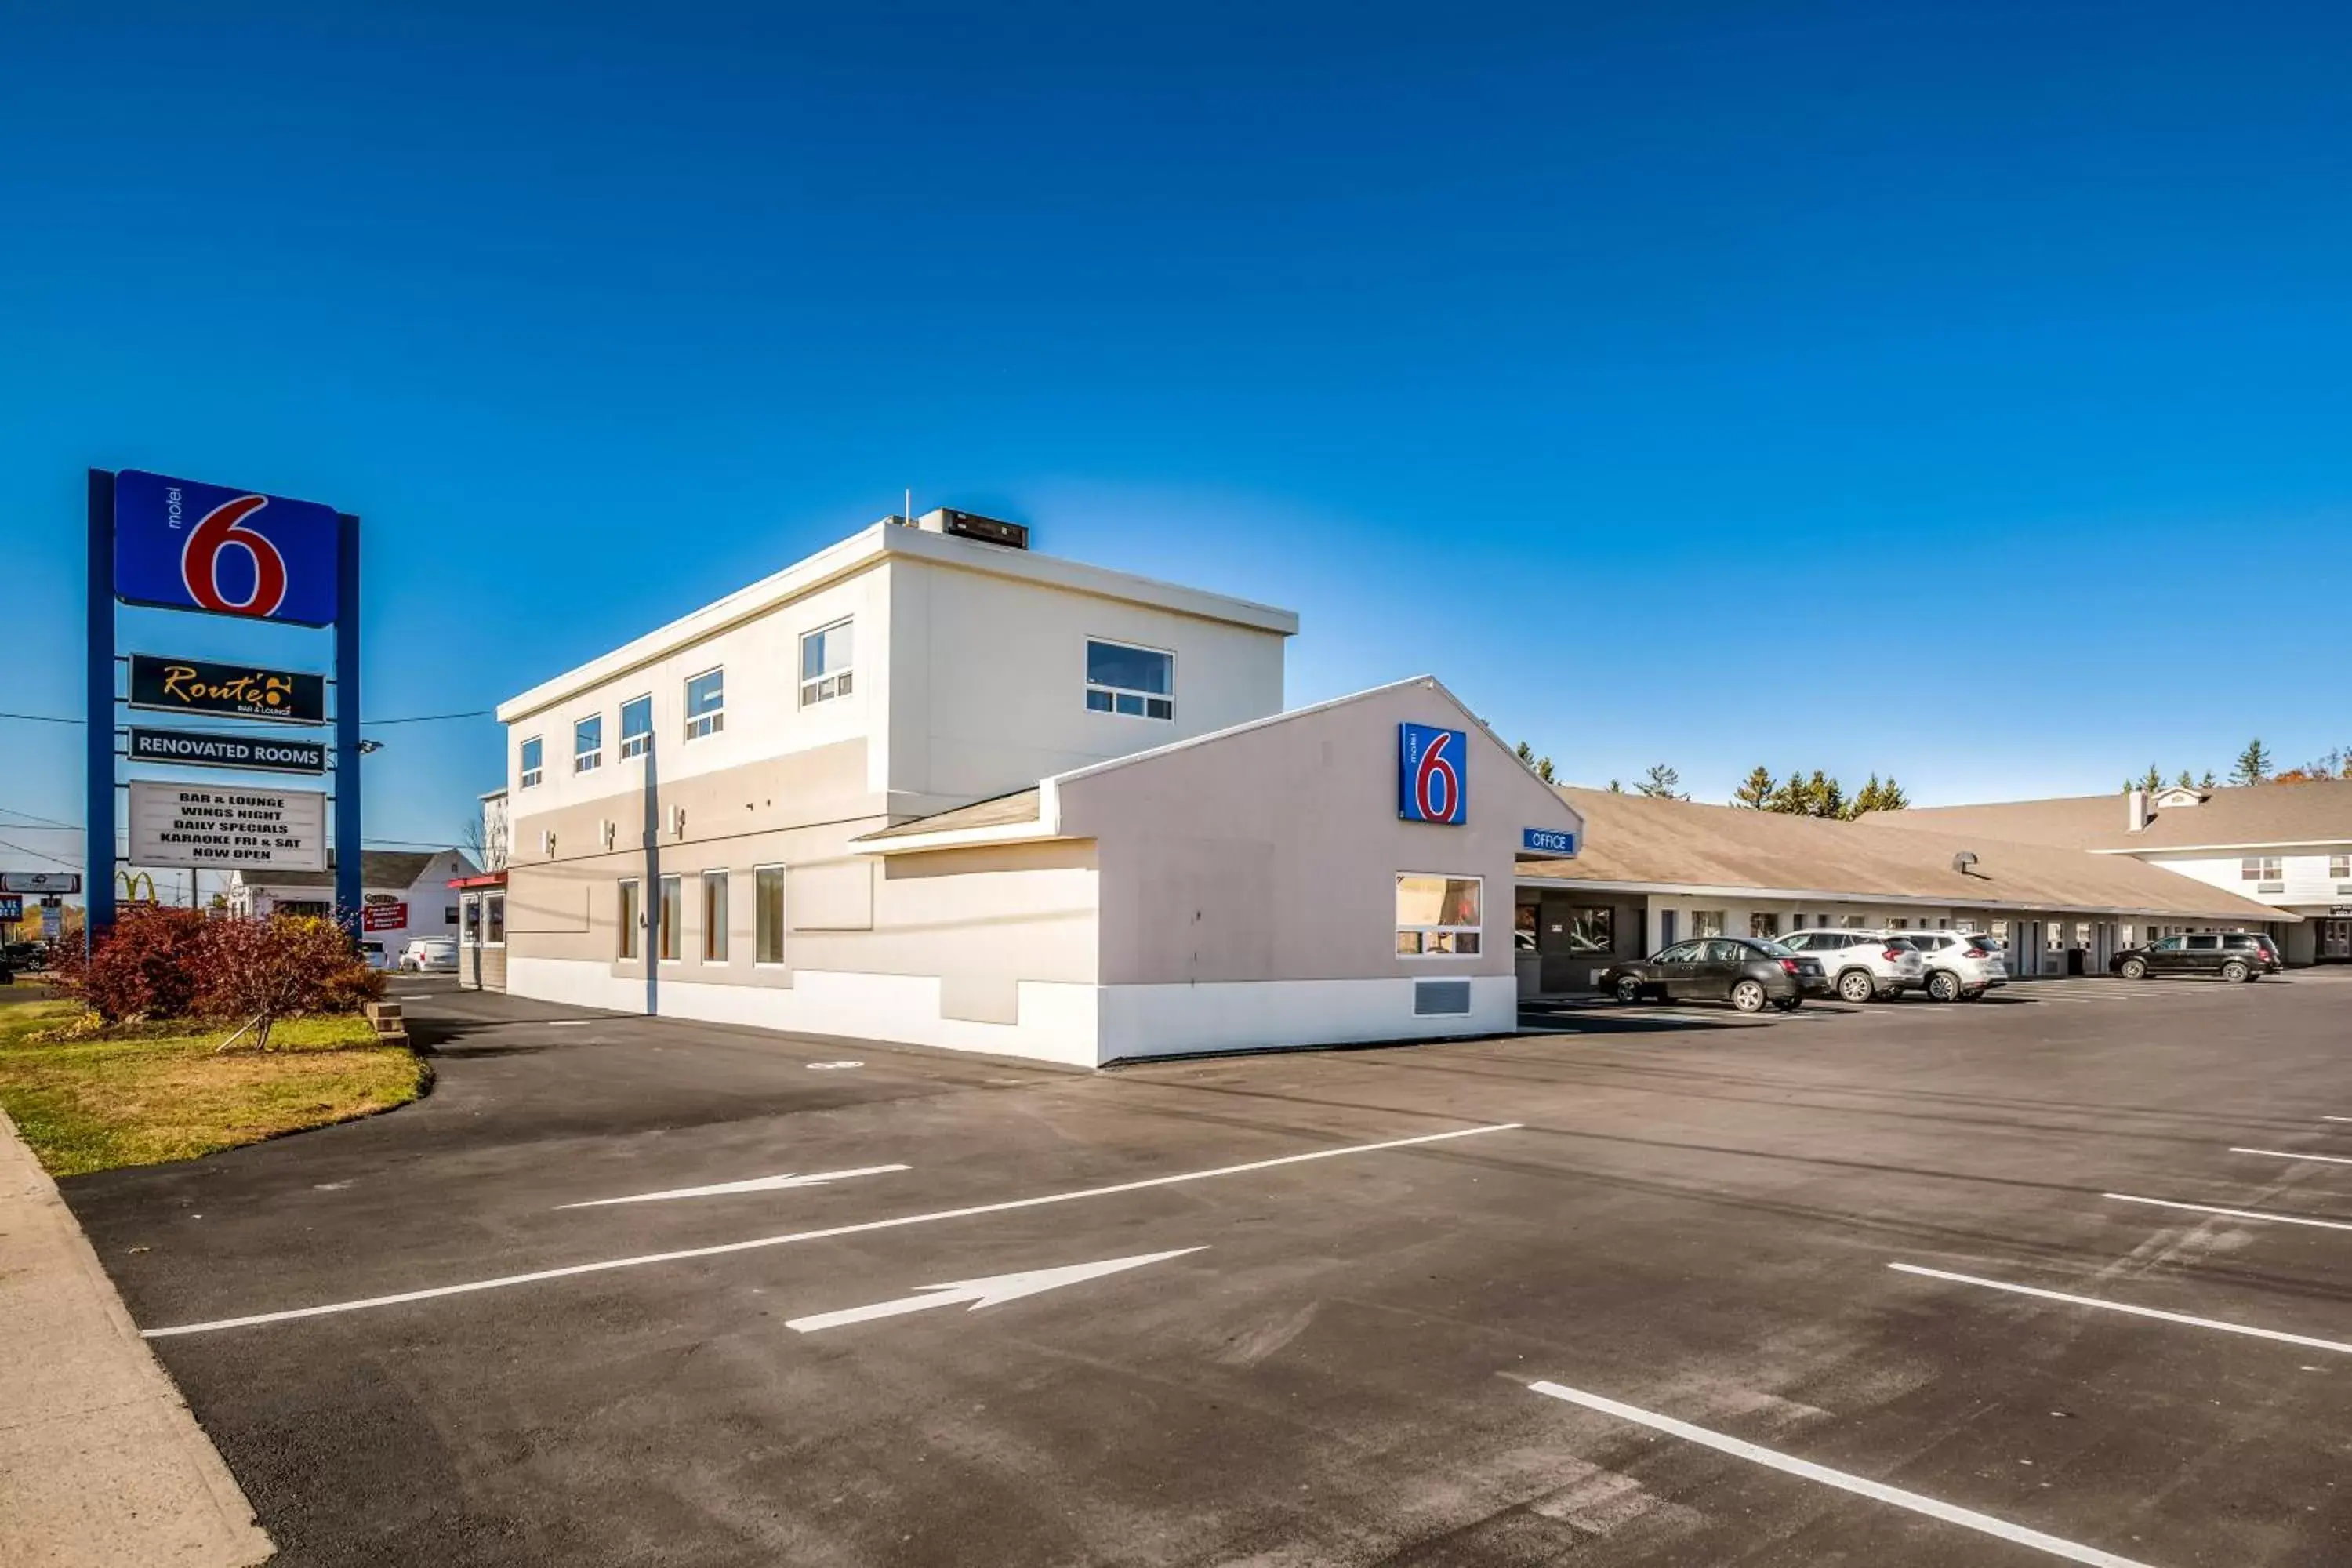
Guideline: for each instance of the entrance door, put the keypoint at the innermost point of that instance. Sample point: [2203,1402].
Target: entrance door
[2336,941]
[1666,928]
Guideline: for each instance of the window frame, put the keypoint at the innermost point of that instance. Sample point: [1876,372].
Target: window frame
[712,721]
[2339,868]
[714,953]
[469,919]
[530,773]
[1700,917]
[2262,869]
[669,913]
[1422,933]
[590,761]
[494,920]
[644,738]
[844,686]
[631,896]
[1143,698]
[759,910]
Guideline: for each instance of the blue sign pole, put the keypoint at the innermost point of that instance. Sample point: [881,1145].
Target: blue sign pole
[97,715]
[348,888]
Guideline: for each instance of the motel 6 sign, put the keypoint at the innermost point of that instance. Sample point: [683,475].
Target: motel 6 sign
[1432,773]
[187,546]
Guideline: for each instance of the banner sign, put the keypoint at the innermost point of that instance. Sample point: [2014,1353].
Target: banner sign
[226,691]
[1548,841]
[384,916]
[1432,774]
[231,829]
[198,749]
[12,908]
[181,546]
[40,881]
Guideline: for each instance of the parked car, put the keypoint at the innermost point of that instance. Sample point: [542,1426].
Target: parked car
[2236,956]
[1962,965]
[375,954]
[430,955]
[1749,972]
[1863,966]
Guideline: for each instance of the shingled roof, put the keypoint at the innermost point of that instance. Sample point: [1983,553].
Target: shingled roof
[2249,816]
[1646,843]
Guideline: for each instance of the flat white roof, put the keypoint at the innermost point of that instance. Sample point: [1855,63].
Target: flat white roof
[869,547]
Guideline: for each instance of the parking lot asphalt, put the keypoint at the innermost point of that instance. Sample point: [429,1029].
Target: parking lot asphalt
[2063,1276]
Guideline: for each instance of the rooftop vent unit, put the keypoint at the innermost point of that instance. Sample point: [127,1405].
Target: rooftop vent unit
[972,525]
[1965,863]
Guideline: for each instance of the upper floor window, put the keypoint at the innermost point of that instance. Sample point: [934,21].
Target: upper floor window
[636,727]
[2262,869]
[2339,867]
[705,704]
[532,752]
[825,656]
[588,744]
[1139,682]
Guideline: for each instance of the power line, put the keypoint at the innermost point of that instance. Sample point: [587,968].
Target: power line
[37,855]
[44,821]
[40,718]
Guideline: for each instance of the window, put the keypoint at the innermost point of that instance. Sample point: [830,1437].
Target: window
[1436,916]
[473,916]
[588,744]
[825,656]
[714,917]
[2204,944]
[1139,682]
[1721,952]
[1852,922]
[2339,867]
[705,704]
[2260,869]
[636,727]
[1524,918]
[633,916]
[1759,923]
[1899,925]
[666,933]
[531,753]
[768,915]
[1706,922]
[1593,930]
[494,920]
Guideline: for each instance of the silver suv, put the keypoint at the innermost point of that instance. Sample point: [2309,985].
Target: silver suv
[1962,965]
[1863,966]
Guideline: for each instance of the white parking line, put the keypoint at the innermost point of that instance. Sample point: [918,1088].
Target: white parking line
[726,1189]
[2285,1155]
[2231,1214]
[758,1242]
[2337,1119]
[2304,1339]
[1878,1492]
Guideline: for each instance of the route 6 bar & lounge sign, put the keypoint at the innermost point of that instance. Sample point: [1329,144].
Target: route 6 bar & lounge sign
[229,827]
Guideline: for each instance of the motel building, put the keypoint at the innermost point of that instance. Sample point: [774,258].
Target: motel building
[929,786]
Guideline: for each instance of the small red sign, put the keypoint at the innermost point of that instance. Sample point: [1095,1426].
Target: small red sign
[384,916]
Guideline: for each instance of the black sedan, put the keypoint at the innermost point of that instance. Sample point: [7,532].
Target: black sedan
[1746,972]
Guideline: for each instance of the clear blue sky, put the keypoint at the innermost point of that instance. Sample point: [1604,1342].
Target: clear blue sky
[1624,365]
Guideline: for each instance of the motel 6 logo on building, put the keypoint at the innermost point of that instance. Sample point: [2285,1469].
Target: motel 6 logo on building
[1433,771]
[188,546]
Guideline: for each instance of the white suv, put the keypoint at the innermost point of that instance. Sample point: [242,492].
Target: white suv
[1962,965]
[1863,966]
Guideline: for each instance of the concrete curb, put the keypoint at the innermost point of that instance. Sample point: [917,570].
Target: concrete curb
[100,1461]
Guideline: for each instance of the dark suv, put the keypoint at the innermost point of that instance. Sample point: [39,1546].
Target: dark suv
[2233,956]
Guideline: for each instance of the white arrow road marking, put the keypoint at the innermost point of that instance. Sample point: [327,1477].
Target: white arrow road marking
[994,1290]
[1878,1492]
[756,1184]
[832,1066]
[792,1238]
[2337,1119]
[2234,1213]
[2286,1155]
[2119,1307]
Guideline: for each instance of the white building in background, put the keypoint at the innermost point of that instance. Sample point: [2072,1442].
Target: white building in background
[403,893]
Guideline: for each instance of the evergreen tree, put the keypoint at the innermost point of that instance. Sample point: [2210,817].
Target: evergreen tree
[2205,782]
[2151,781]
[1662,782]
[1615,787]
[1542,765]
[1877,796]
[2253,764]
[1755,794]
[2185,782]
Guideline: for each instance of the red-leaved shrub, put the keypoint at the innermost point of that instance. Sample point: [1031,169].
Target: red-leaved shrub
[259,971]
[147,967]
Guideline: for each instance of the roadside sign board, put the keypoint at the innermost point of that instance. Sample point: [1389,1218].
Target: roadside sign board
[202,749]
[53,922]
[40,881]
[384,916]
[232,827]
[226,691]
[1433,775]
[12,907]
[181,546]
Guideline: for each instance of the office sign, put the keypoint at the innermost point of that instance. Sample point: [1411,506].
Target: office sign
[226,691]
[181,546]
[200,749]
[1433,775]
[40,881]
[1554,841]
[230,827]
[12,907]
[384,916]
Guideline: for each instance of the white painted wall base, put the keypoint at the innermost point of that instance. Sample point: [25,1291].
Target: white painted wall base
[1057,1020]
[1140,1021]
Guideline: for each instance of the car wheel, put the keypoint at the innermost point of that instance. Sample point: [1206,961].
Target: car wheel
[1856,985]
[1943,986]
[1749,995]
[2236,973]
[2135,968]
[1628,990]
[1788,1004]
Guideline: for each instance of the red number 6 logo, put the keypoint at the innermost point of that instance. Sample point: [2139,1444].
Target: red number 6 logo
[200,560]
[1437,785]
